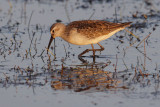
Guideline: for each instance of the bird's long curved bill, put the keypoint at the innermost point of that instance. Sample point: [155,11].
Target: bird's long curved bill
[51,39]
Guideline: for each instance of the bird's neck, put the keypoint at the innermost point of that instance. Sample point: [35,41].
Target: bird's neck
[65,35]
[61,32]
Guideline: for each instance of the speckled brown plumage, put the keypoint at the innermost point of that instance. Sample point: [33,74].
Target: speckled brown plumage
[94,28]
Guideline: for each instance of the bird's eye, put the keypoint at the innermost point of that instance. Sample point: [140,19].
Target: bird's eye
[52,31]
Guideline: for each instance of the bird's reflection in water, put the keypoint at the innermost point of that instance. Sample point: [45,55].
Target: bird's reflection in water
[86,78]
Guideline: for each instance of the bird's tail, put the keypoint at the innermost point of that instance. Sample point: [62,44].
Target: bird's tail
[126,24]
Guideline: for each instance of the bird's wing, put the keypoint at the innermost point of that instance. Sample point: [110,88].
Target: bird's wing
[94,28]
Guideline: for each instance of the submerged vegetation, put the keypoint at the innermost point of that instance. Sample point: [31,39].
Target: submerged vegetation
[23,41]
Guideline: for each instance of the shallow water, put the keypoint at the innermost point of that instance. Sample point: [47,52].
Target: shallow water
[122,75]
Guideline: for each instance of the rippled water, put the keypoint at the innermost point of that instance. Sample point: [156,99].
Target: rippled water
[122,75]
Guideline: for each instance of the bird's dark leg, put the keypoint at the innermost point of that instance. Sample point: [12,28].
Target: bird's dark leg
[87,50]
[102,48]
[93,53]
[94,50]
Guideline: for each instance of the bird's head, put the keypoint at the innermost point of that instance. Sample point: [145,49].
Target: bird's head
[56,30]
